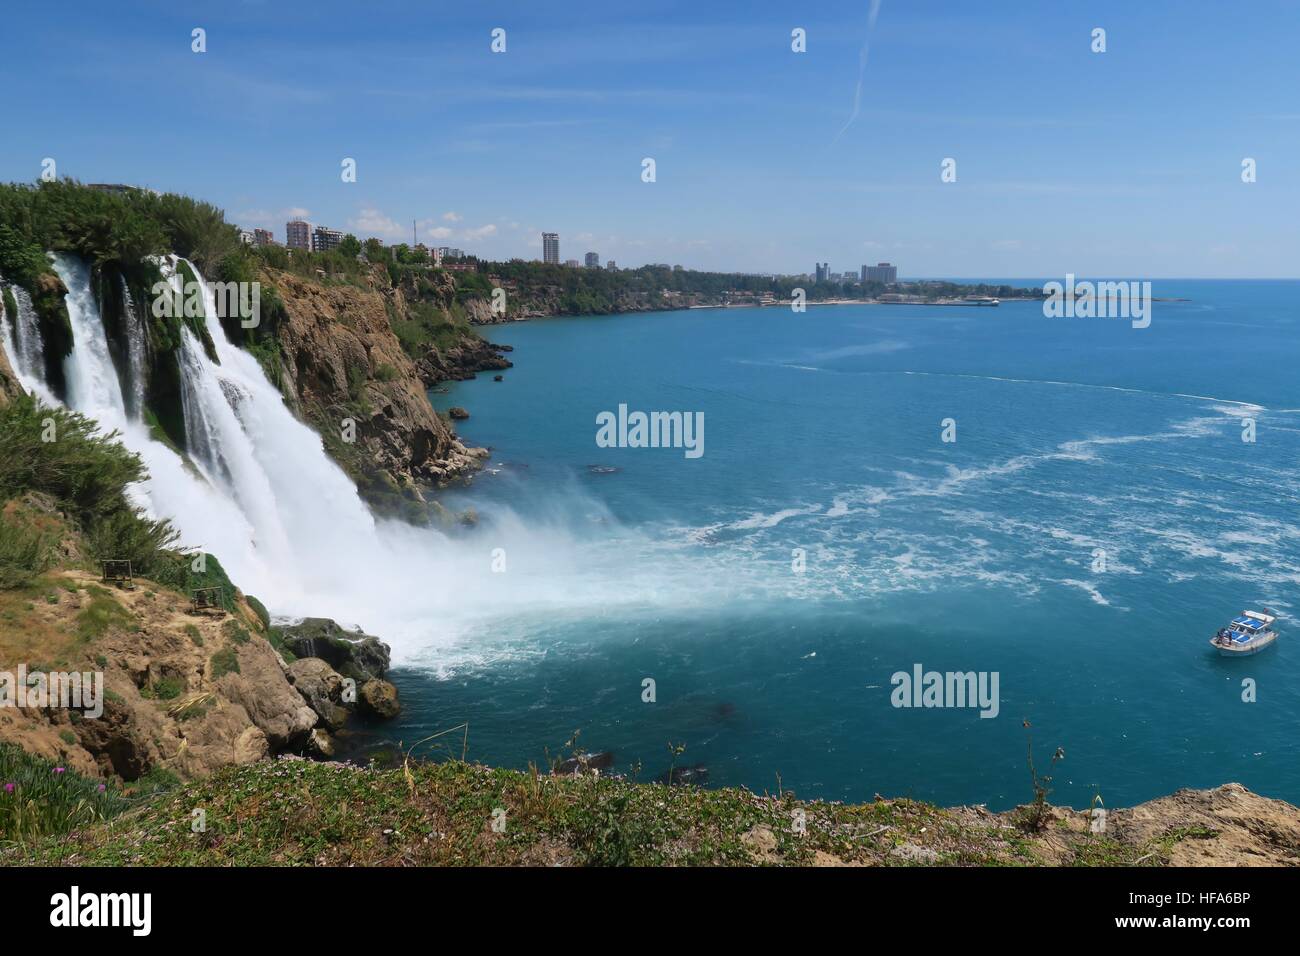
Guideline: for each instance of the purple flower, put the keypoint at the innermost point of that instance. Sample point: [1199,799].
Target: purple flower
[102,788]
[58,770]
[9,788]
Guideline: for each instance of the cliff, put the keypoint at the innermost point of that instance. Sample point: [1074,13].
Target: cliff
[9,387]
[348,375]
[185,692]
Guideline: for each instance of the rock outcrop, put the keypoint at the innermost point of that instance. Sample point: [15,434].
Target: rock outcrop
[184,692]
[379,699]
[323,689]
[462,361]
[9,387]
[346,371]
[353,654]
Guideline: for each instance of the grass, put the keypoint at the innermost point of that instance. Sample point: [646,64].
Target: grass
[25,552]
[38,799]
[292,812]
[165,688]
[102,613]
[223,662]
[236,632]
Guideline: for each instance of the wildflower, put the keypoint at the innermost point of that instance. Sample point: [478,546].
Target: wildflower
[102,788]
[9,788]
[59,770]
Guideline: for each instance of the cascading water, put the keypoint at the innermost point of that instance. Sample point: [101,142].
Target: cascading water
[258,490]
[22,340]
[137,351]
[93,386]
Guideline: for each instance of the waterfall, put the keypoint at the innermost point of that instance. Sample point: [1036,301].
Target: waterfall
[21,335]
[27,334]
[204,517]
[257,489]
[137,346]
[93,386]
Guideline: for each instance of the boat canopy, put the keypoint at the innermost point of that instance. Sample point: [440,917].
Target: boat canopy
[1251,624]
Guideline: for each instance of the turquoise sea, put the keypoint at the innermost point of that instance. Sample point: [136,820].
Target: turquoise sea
[1078,441]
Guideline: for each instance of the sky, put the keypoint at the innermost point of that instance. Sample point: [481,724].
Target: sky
[1125,163]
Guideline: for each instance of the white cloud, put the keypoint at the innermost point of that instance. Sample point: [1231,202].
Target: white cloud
[268,216]
[451,216]
[482,232]
[372,222]
[439,232]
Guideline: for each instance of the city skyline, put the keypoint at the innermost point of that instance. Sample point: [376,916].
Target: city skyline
[1126,162]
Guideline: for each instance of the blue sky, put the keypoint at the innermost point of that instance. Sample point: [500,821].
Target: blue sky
[1124,163]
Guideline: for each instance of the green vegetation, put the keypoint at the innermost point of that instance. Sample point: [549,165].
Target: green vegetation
[234,631]
[177,570]
[25,552]
[259,609]
[165,688]
[455,813]
[275,637]
[60,454]
[105,226]
[102,613]
[224,661]
[38,799]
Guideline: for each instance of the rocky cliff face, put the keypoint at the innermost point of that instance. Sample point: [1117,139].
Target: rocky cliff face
[9,387]
[185,692]
[347,373]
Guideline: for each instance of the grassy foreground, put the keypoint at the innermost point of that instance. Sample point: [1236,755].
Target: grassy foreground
[295,812]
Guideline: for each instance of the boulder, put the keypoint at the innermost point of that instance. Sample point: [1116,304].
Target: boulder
[351,653]
[261,687]
[322,688]
[321,744]
[458,413]
[585,763]
[379,699]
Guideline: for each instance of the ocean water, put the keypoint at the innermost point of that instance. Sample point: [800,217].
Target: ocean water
[823,433]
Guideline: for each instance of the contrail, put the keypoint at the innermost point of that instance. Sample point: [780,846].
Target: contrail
[862,69]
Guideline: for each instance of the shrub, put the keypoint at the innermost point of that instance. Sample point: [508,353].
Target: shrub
[87,474]
[165,688]
[24,553]
[260,610]
[224,661]
[39,799]
[102,613]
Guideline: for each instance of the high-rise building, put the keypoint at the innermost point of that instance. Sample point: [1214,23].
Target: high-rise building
[297,234]
[593,260]
[611,265]
[551,247]
[323,240]
[881,272]
[571,263]
[263,237]
[823,271]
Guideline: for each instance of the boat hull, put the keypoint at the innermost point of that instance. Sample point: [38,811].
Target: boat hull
[1245,650]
